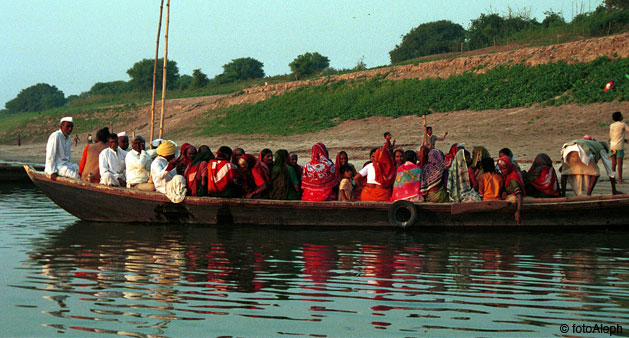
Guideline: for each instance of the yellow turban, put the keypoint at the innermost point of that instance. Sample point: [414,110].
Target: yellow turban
[167,148]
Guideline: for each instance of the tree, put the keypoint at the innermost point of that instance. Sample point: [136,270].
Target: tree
[241,69]
[39,97]
[429,38]
[484,30]
[142,74]
[617,4]
[307,64]
[110,88]
[199,80]
[552,19]
[183,82]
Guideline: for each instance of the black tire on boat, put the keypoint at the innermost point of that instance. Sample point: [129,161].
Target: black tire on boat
[402,214]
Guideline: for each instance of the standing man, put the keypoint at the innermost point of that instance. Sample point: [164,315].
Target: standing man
[19,139]
[76,140]
[580,166]
[58,161]
[617,143]
[111,164]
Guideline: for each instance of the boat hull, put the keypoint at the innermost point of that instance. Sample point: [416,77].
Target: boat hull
[94,202]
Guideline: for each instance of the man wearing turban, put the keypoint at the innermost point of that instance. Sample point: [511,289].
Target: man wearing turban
[165,176]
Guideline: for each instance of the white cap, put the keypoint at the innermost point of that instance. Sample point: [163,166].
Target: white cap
[156,142]
[122,134]
[67,119]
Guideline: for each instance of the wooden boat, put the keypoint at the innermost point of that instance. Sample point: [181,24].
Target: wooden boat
[94,202]
[14,173]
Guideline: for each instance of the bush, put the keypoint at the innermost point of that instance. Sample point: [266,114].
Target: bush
[428,38]
[308,64]
[35,98]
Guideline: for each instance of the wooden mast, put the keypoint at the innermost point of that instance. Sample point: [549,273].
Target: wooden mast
[159,28]
[161,122]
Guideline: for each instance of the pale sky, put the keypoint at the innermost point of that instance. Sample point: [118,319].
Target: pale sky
[73,44]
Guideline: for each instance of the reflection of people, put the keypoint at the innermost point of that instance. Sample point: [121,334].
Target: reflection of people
[58,152]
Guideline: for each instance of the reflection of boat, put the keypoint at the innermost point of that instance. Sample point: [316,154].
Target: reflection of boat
[94,202]
[15,173]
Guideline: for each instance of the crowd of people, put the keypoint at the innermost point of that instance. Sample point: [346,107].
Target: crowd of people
[391,174]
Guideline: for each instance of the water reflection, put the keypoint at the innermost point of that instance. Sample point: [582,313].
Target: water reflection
[140,280]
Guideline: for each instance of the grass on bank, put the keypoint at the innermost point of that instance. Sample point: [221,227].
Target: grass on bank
[314,108]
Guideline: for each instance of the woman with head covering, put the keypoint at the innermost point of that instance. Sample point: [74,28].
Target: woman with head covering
[398,157]
[255,182]
[422,156]
[341,160]
[408,180]
[266,158]
[449,157]
[284,183]
[380,175]
[513,183]
[223,175]
[433,177]
[293,158]
[476,168]
[196,172]
[188,154]
[541,179]
[319,176]
[490,183]
[459,187]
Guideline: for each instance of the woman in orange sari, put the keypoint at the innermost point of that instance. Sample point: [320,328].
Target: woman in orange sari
[380,175]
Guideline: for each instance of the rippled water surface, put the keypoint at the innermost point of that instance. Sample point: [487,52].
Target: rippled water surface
[64,277]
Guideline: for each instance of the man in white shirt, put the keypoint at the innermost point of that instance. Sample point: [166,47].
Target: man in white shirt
[123,141]
[111,163]
[617,143]
[58,152]
[138,166]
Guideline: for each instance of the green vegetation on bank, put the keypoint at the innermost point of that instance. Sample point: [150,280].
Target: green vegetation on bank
[314,108]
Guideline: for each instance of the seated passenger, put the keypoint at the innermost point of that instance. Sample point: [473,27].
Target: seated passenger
[236,153]
[255,182]
[476,168]
[88,168]
[434,174]
[196,172]
[459,188]
[346,187]
[513,184]
[153,151]
[490,183]
[449,157]
[188,153]
[165,176]
[319,176]
[398,157]
[111,164]
[422,156]
[58,152]
[507,152]
[293,163]
[380,174]
[408,180]
[223,175]
[284,183]
[266,158]
[138,166]
[541,179]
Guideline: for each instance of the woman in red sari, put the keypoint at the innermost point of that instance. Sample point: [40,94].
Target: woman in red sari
[256,182]
[319,176]
[541,179]
[196,172]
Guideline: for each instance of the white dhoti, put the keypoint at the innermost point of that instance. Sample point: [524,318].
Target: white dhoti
[71,171]
[109,179]
[176,189]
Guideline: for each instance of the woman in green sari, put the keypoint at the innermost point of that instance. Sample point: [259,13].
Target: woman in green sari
[284,181]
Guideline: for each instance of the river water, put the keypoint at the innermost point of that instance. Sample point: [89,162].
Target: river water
[65,277]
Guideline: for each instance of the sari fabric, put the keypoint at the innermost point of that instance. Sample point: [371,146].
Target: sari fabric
[422,156]
[433,172]
[542,178]
[319,176]
[449,157]
[254,176]
[384,167]
[283,179]
[407,183]
[478,154]
[193,174]
[459,187]
[511,173]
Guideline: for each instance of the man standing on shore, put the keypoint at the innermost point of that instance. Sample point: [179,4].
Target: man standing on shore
[58,161]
